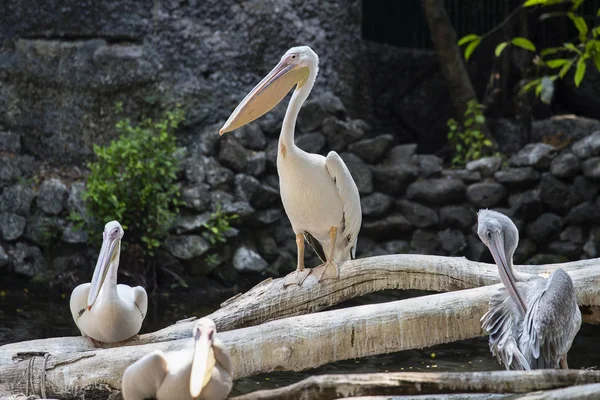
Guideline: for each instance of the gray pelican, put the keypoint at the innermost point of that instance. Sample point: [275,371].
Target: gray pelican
[531,323]
[103,310]
[318,193]
[203,370]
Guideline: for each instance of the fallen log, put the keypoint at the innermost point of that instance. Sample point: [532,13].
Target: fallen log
[582,392]
[293,344]
[270,301]
[328,387]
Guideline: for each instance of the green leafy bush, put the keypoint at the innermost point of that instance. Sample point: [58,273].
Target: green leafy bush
[133,179]
[468,141]
[217,225]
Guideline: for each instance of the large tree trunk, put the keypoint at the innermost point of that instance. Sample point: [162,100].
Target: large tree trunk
[293,344]
[326,387]
[451,61]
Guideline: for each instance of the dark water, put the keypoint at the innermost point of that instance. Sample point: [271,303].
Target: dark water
[25,316]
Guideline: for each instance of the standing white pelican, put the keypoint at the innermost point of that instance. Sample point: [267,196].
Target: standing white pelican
[318,193]
[531,323]
[203,370]
[103,310]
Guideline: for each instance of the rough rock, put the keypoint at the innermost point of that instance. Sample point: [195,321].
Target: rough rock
[543,258]
[563,248]
[229,206]
[17,199]
[376,204]
[362,175]
[186,247]
[573,234]
[394,179]
[588,146]
[396,247]
[12,226]
[340,134]
[190,223]
[394,225]
[429,165]
[462,174]
[555,193]
[418,215]
[233,155]
[268,246]
[251,137]
[372,150]
[27,260]
[591,168]
[457,216]
[401,154]
[583,214]
[453,241]
[585,188]
[525,250]
[196,197]
[437,191]
[565,165]
[544,227]
[518,178]
[537,155]
[591,248]
[526,205]
[75,202]
[71,262]
[42,229]
[569,125]
[52,196]
[74,235]
[10,142]
[268,216]
[195,169]
[477,250]
[425,242]
[311,116]
[311,142]
[250,189]
[247,260]
[486,166]
[486,194]
[217,176]
[257,164]
[4,259]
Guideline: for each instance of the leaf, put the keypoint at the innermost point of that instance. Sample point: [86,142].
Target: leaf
[579,72]
[550,50]
[471,48]
[565,69]
[529,85]
[580,24]
[468,38]
[597,61]
[559,62]
[500,48]
[523,43]
[538,89]
[571,46]
[530,3]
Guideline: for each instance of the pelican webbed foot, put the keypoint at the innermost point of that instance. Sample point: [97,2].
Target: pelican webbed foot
[296,278]
[327,270]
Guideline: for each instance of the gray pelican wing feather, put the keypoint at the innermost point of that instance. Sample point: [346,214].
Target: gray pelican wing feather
[502,324]
[552,320]
[143,378]
[316,246]
[350,197]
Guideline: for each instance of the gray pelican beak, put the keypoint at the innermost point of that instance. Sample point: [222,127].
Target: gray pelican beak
[267,94]
[203,360]
[506,274]
[108,253]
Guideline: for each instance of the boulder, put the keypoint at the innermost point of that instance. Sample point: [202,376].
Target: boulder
[372,150]
[518,178]
[17,199]
[362,175]
[588,146]
[429,165]
[257,164]
[583,214]
[12,226]
[74,235]
[486,166]
[195,169]
[75,202]
[462,174]
[396,247]
[10,142]
[526,205]
[425,242]
[251,137]
[52,196]
[418,215]
[537,155]
[217,176]
[247,260]
[4,259]
[186,247]
[453,241]
[268,246]
[311,116]
[340,134]
[565,165]
[27,260]
[248,188]
[584,188]
[573,234]
[393,226]
[376,204]
[394,179]
[437,191]
[567,249]
[311,142]
[43,229]
[401,154]
[189,223]
[457,216]
[233,155]
[525,250]
[267,217]
[545,226]
[486,194]
[196,197]
[556,194]
[591,168]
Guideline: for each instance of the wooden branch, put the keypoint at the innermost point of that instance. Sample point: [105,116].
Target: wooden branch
[581,392]
[326,387]
[295,343]
[270,301]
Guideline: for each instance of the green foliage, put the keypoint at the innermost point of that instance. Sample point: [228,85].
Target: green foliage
[217,225]
[561,59]
[133,180]
[469,141]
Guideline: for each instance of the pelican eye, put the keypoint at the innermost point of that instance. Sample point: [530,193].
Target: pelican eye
[210,335]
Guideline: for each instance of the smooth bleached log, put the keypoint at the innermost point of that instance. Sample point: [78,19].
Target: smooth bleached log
[326,387]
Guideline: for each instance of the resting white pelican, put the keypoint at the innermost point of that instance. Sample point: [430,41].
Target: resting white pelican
[203,370]
[318,193]
[531,323]
[103,310]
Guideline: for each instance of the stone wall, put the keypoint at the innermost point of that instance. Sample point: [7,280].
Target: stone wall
[411,202]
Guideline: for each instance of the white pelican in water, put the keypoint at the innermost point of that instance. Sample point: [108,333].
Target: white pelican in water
[318,193]
[531,323]
[203,370]
[103,310]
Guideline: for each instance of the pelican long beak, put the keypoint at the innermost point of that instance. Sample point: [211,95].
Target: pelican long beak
[108,253]
[506,274]
[203,360]
[266,95]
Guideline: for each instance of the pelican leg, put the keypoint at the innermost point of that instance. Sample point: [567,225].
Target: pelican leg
[300,274]
[563,362]
[329,269]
